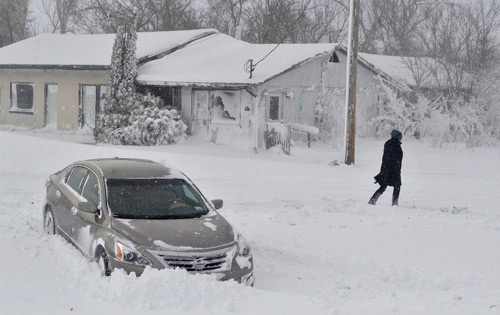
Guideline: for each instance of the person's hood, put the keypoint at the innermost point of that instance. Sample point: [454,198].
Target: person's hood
[396,134]
[195,233]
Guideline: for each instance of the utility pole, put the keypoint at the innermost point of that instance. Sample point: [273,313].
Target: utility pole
[352,67]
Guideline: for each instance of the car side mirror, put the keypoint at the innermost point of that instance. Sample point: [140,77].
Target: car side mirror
[87,207]
[218,203]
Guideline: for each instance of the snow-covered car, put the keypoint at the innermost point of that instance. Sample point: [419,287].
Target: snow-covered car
[131,214]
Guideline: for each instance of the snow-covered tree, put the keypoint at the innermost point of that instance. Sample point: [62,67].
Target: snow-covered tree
[128,117]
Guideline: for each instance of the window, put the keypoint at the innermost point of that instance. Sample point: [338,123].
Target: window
[334,58]
[171,96]
[75,178]
[274,111]
[225,107]
[22,97]
[91,189]
[154,199]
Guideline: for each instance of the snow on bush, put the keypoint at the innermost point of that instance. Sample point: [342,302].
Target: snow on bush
[394,112]
[149,125]
[445,120]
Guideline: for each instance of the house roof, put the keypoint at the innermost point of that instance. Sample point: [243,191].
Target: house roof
[220,59]
[395,66]
[421,72]
[77,51]
[196,57]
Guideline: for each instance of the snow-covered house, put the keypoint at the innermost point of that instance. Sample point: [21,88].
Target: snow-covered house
[61,79]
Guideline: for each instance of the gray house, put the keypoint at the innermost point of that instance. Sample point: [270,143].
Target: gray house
[59,81]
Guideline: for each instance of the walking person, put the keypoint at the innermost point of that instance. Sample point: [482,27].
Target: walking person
[390,171]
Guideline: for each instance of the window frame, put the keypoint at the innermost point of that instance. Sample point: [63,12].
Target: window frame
[14,108]
[66,174]
[83,180]
[86,179]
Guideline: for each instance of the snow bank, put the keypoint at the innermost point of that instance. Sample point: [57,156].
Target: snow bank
[318,247]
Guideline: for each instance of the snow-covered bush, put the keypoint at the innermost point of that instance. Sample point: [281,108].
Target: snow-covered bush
[445,120]
[147,124]
[395,112]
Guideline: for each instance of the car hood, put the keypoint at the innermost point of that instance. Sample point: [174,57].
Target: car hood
[207,232]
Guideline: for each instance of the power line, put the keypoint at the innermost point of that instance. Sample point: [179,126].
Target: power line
[249,66]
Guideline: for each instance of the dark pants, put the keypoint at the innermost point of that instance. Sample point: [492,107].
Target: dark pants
[380,191]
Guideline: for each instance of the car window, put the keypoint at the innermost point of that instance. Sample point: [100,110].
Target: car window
[91,189]
[75,178]
[154,199]
[66,175]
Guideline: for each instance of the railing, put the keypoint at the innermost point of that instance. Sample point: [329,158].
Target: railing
[310,131]
[278,133]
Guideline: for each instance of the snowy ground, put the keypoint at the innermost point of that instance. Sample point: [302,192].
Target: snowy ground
[318,247]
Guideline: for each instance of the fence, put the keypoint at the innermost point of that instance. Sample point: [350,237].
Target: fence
[278,133]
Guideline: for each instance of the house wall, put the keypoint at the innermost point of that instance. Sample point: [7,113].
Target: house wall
[67,99]
[221,131]
[303,87]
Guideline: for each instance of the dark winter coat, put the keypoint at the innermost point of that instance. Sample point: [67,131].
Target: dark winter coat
[390,171]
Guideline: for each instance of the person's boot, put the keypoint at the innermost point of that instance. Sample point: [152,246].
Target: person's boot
[395,195]
[376,195]
[374,198]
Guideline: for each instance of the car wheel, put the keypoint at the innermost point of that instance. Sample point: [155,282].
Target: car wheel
[103,262]
[49,224]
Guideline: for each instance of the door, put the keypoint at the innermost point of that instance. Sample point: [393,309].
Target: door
[51,90]
[68,200]
[84,226]
[88,104]
[200,112]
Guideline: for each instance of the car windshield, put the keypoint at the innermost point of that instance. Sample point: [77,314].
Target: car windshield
[154,199]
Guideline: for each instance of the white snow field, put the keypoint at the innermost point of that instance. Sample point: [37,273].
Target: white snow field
[319,248]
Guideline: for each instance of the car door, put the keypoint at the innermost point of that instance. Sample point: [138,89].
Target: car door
[68,200]
[84,225]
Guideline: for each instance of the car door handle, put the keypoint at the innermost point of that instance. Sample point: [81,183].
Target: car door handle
[74,211]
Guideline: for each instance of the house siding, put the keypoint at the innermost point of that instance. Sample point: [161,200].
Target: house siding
[67,99]
[302,88]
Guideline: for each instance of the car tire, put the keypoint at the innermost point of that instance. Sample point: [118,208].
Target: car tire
[103,262]
[49,223]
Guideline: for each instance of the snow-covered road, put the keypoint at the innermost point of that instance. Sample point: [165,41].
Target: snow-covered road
[318,247]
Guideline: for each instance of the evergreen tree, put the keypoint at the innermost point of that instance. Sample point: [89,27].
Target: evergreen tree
[129,117]
[127,86]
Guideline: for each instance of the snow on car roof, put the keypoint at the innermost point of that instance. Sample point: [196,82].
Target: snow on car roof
[89,49]
[220,59]
[122,168]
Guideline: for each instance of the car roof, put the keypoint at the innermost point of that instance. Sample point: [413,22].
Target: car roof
[121,168]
